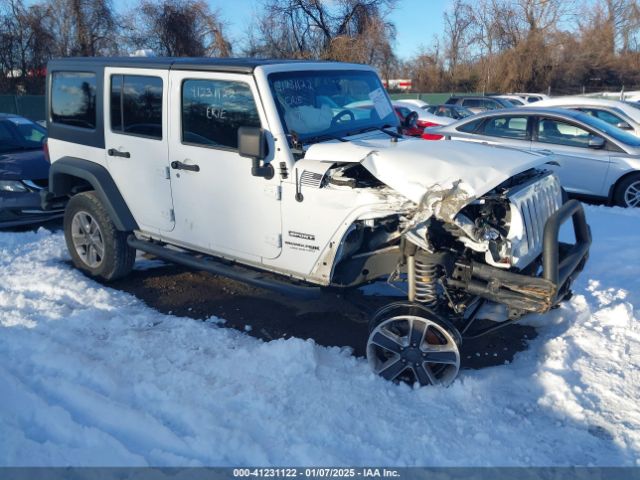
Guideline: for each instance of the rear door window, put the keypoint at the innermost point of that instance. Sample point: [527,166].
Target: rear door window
[136,105]
[506,127]
[73,99]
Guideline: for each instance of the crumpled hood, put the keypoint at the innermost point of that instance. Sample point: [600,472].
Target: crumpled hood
[27,165]
[431,171]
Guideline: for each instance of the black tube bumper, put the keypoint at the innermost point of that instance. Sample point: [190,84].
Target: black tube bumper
[561,263]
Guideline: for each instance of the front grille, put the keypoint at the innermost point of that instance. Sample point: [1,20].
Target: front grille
[536,209]
[534,205]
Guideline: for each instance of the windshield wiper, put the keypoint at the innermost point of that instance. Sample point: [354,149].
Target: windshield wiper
[383,129]
[315,139]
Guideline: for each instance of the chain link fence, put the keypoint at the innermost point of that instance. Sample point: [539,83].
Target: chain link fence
[30,106]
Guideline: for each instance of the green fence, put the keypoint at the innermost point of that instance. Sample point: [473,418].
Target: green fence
[430,98]
[30,106]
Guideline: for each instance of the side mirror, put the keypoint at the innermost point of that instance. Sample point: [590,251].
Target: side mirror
[410,120]
[252,143]
[596,142]
[624,126]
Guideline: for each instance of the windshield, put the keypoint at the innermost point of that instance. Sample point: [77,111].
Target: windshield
[17,133]
[451,111]
[611,130]
[315,105]
[463,111]
[504,102]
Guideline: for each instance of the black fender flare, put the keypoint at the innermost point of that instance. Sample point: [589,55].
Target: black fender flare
[63,176]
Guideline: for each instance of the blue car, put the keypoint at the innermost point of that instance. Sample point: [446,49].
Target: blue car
[24,172]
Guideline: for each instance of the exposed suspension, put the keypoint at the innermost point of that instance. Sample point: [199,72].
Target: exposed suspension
[422,273]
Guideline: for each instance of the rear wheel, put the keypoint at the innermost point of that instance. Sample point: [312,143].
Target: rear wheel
[408,342]
[95,245]
[627,193]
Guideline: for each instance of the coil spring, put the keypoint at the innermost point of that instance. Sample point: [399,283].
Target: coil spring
[426,281]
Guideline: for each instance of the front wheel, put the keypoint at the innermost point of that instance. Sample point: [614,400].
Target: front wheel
[95,244]
[627,194]
[410,343]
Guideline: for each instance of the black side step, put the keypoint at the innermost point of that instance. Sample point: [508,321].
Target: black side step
[217,267]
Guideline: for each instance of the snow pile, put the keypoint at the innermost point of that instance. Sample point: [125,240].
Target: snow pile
[91,376]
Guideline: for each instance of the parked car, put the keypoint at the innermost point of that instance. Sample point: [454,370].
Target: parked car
[408,121]
[413,103]
[423,120]
[24,172]
[595,158]
[531,97]
[455,112]
[614,112]
[513,99]
[480,104]
[292,173]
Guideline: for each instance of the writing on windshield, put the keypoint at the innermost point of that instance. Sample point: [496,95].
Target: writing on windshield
[330,103]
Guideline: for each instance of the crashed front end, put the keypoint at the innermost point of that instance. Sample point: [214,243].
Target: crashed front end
[454,246]
[512,253]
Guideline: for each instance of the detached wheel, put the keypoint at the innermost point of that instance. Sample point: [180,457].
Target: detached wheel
[410,343]
[96,246]
[627,194]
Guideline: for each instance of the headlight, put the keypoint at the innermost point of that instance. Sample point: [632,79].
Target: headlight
[12,186]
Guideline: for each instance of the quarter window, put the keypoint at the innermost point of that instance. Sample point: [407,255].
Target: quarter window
[506,127]
[562,133]
[136,105]
[73,99]
[213,110]
[470,127]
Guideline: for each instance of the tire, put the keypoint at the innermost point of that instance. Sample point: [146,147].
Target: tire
[95,245]
[411,343]
[627,192]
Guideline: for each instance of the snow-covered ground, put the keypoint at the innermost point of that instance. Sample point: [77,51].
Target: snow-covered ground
[91,376]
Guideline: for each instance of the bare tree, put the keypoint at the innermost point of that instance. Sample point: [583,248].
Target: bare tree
[178,28]
[25,46]
[82,27]
[347,30]
[458,23]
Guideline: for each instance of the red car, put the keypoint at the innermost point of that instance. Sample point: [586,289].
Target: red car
[412,126]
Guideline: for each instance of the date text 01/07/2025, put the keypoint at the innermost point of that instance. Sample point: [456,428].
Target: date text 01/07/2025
[315,472]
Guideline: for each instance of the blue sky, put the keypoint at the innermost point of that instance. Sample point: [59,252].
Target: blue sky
[417,21]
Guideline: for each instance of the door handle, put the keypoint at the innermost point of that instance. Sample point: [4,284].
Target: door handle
[112,152]
[545,152]
[176,165]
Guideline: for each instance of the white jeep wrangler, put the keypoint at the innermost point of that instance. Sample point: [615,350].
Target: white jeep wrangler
[292,175]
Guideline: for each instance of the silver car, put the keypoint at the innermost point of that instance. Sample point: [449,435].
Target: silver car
[592,157]
[617,113]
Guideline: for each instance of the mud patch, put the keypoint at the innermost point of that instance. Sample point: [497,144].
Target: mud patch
[337,318]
